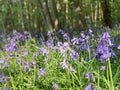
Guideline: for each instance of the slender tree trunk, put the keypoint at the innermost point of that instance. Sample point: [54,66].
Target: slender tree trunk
[46,14]
[79,19]
[106,13]
[54,13]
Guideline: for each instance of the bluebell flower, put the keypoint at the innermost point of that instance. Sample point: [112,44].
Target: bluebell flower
[61,31]
[94,88]
[65,36]
[113,54]
[118,47]
[105,35]
[1,60]
[82,34]
[106,38]
[25,53]
[49,33]
[87,75]
[64,47]
[33,64]
[75,41]
[74,55]
[41,72]
[9,56]
[54,86]
[103,52]
[92,78]
[82,46]
[64,64]
[26,66]
[3,78]
[72,69]
[88,87]
[49,43]
[5,64]
[25,33]
[115,61]
[14,32]
[35,55]
[43,51]
[102,68]
[59,44]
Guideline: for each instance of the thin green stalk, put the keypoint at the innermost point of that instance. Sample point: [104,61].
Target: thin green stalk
[110,72]
[98,78]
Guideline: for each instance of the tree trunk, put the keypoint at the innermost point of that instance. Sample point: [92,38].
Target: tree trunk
[79,19]
[106,13]
[46,14]
[54,13]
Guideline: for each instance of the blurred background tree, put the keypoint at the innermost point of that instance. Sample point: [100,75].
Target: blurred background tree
[43,15]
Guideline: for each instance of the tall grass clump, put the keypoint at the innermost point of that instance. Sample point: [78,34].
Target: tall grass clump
[60,61]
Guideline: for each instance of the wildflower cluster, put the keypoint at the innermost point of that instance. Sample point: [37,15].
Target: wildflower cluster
[57,61]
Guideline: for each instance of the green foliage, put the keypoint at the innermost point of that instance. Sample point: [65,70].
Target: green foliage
[26,14]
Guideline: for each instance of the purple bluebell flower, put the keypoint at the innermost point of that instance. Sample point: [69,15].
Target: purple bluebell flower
[118,47]
[49,33]
[25,33]
[59,44]
[64,64]
[102,68]
[66,44]
[12,46]
[43,51]
[92,78]
[25,53]
[106,38]
[103,52]
[94,88]
[64,47]
[5,64]
[41,72]
[14,32]
[90,31]
[3,78]
[82,46]
[72,69]
[9,56]
[26,66]
[19,61]
[49,43]
[106,35]
[102,47]
[113,54]
[62,50]
[66,37]
[104,57]
[1,60]
[87,37]
[88,87]
[46,58]
[87,75]
[33,64]
[110,43]
[35,55]
[74,55]
[82,35]
[115,61]
[61,31]
[54,86]
[75,41]
[81,39]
